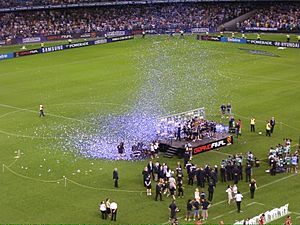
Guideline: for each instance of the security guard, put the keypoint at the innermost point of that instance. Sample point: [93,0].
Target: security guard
[243,36]
[268,129]
[298,38]
[232,34]
[252,124]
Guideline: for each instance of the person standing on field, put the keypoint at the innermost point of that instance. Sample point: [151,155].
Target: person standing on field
[42,114]
[116,177]
[268,129]
[272,122]
[103,210]
[114,209]
[252,124]
[252,187]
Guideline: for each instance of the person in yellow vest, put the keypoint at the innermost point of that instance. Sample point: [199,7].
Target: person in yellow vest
[243,36]
[298,38]
[221,34]
[42,45]
[42,114]
[258,37]
[268,129]
[232,34]
[252,124]
[288,38]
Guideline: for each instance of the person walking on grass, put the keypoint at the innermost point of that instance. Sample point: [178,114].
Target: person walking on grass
[238,199]
[229,194]
[42,113]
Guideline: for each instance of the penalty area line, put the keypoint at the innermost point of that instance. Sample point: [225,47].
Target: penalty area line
[54,115]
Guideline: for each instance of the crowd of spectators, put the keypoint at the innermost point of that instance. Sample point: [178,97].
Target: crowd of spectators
[154,16]
[28,3]
[281,16]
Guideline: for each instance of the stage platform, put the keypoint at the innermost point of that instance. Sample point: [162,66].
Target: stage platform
[173,147]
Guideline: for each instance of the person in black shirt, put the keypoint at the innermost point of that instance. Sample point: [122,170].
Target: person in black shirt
[173,209]
[196,205]
[223,109]
[248,172]
[211,189]
[148,184]
[204,206]
[180,186]
[252,187]
[116,177]
[191,175]
[189,207]
[158,191]
[121,148]
[214,177]
[223,173]
[272,122]
[229,109]
[235,175]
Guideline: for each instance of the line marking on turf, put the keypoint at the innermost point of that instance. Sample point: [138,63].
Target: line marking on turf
[67,179]
[59,116]
[5,114]
[54,115]
[217,217]
[253,203]
[25,136]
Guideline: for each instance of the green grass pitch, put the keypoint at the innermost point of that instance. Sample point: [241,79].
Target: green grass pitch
[104,79]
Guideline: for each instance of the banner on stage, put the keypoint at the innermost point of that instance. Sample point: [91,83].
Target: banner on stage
[213,145]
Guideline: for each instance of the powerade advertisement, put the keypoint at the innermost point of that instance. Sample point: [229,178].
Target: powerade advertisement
[249,41]
[213,145]
[68,46]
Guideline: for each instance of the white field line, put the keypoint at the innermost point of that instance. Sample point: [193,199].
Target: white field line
[54,115]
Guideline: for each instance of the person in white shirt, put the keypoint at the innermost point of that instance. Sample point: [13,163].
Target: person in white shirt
[103,210]
[197,195]
[114,209]
[42,111]
[238,198]
[234,190]
[229,192]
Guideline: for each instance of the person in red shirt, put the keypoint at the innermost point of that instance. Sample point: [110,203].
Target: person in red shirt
[288,220]
[262,219]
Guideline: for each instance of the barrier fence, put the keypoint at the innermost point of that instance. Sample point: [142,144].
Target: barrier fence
[64,47]
[249,41]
